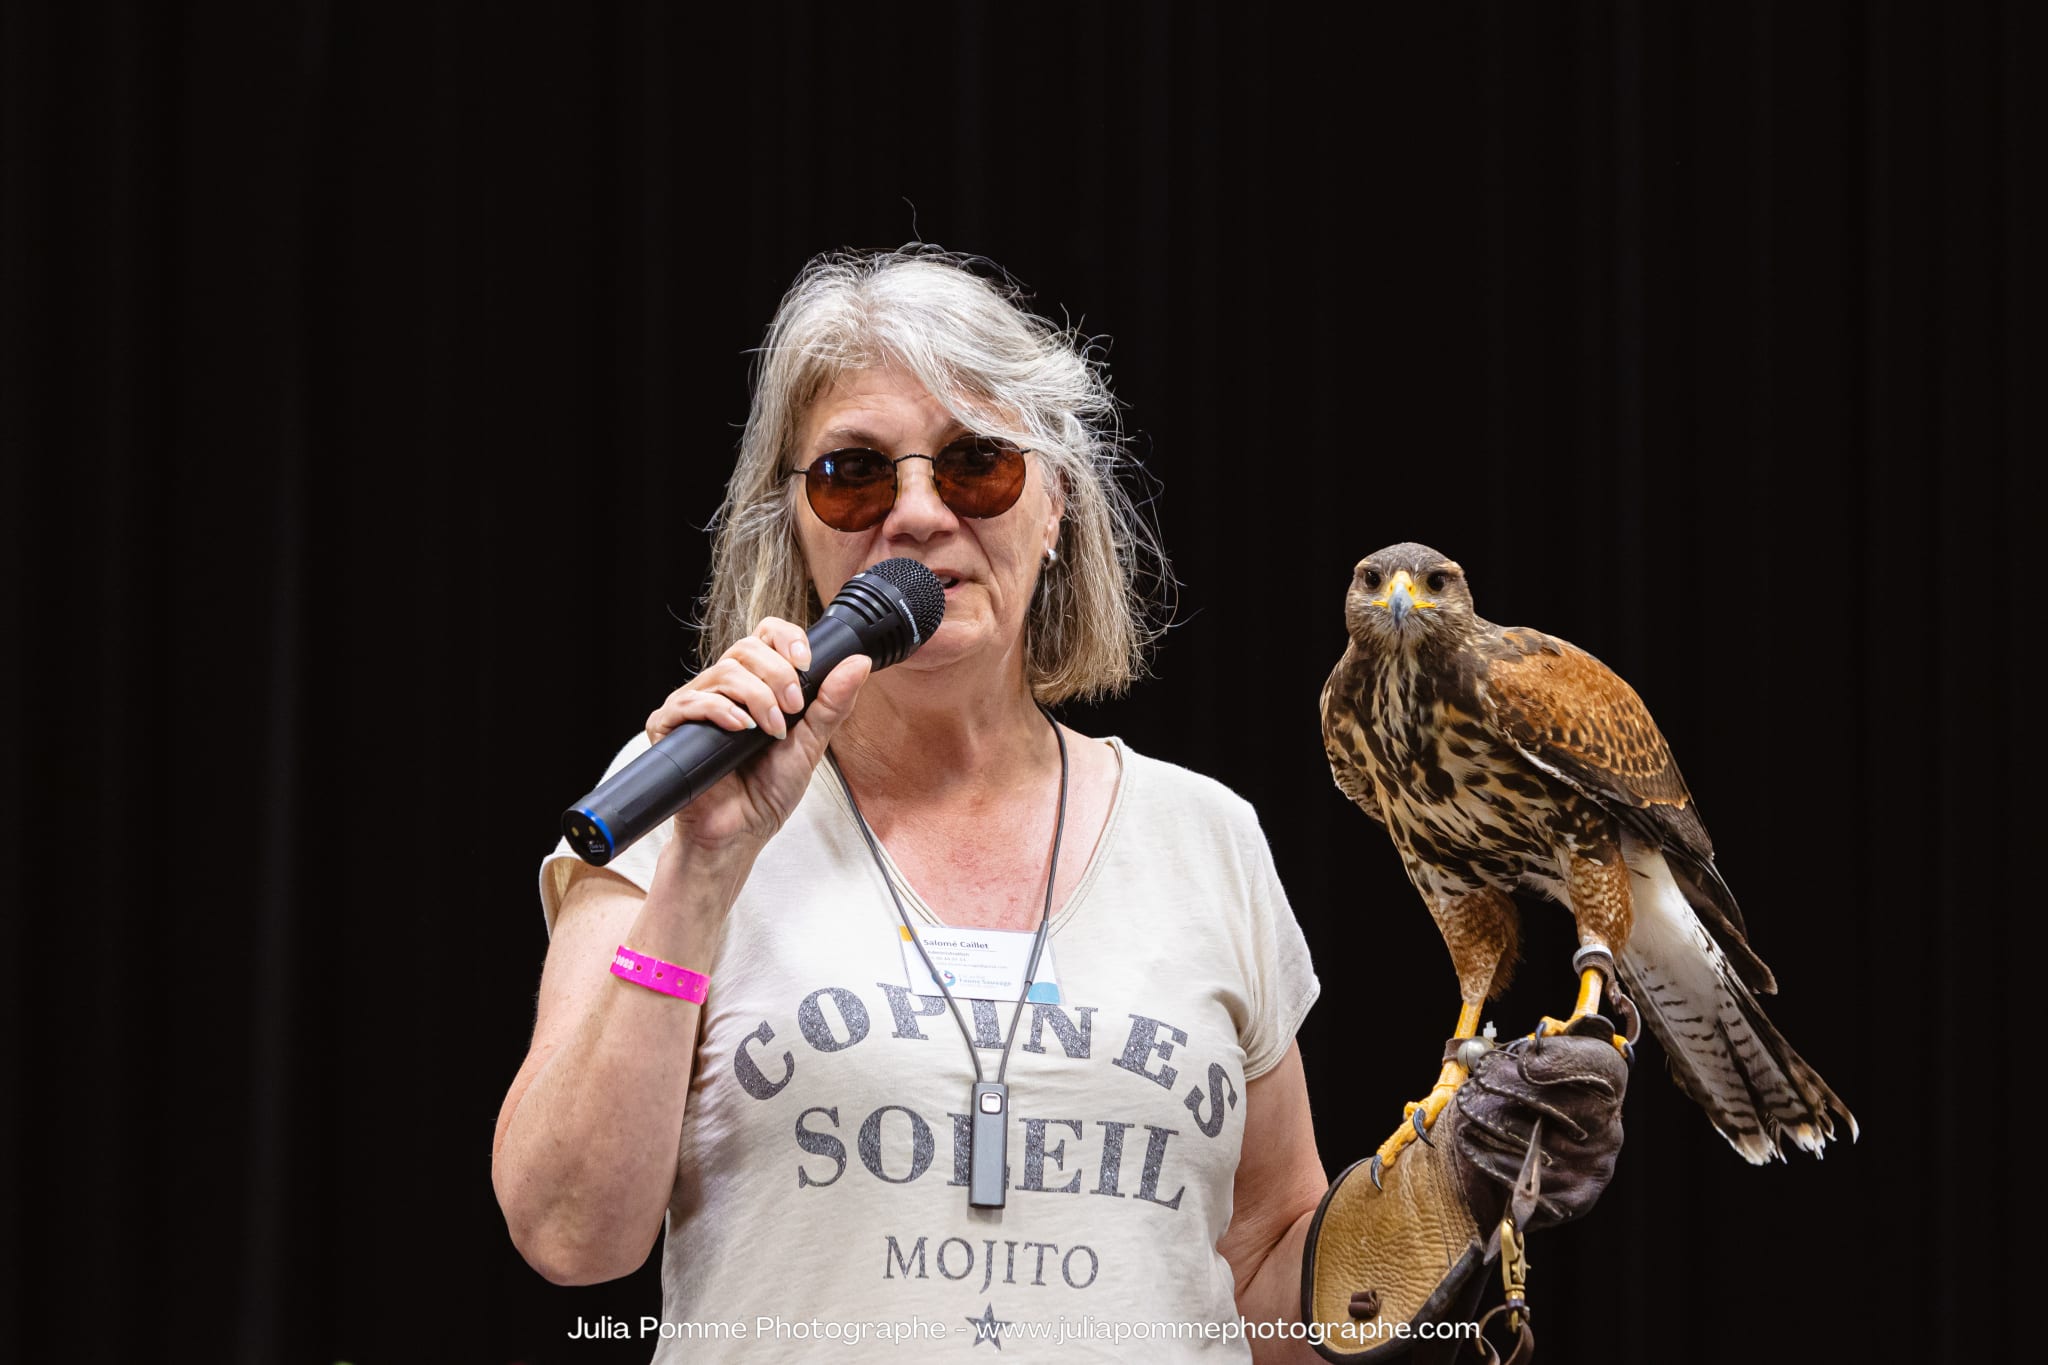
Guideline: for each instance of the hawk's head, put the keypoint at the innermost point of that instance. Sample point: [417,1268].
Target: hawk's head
[1407,594]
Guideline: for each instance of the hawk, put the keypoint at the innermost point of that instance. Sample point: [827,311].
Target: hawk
[1501,759]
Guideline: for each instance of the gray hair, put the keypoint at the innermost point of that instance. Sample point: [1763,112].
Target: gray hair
[999,370]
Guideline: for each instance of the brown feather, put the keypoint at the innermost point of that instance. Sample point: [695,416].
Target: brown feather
[1576,717]
[1344,746]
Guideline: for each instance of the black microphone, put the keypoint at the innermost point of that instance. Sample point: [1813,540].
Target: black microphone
[884,612]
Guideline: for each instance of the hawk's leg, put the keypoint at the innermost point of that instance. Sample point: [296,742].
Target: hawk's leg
[1420,1115]
[1481,930]
[1598,887]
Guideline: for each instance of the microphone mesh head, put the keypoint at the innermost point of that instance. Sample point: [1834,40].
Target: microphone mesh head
[920,589]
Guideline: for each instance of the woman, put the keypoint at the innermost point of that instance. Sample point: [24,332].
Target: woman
[807,1131]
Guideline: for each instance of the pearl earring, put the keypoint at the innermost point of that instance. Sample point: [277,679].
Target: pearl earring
[1052,556]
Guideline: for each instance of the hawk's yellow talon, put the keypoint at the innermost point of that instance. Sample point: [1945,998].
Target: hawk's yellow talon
[1419,1115]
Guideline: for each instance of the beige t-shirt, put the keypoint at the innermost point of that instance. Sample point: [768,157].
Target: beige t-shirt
[820,1203]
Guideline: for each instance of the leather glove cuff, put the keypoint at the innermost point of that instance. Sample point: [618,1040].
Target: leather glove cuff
[1379,1259]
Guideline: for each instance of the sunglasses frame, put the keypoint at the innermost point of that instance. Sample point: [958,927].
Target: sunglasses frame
[896,482]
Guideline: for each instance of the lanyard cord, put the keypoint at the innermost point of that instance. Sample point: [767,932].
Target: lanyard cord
[1044,919]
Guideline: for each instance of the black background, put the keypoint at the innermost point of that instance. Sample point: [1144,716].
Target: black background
[370,372]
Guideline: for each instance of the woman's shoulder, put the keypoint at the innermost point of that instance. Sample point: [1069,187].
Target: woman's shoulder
[1181,793]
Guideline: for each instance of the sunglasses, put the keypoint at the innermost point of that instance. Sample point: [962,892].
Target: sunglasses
[852,490]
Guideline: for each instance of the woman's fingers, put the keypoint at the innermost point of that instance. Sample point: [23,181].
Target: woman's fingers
[758,675]
[772,667]
[690,704]
[732,678]
[786,639]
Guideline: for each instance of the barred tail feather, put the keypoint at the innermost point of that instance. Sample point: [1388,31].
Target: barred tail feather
[1722,1050]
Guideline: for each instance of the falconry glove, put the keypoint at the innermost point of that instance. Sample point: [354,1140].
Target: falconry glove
[1410,1251]
[1574,1084]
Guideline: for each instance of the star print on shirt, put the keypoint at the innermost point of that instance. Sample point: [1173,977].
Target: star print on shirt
[988,1327]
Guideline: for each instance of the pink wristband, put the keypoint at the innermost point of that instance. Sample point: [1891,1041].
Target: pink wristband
[656,975]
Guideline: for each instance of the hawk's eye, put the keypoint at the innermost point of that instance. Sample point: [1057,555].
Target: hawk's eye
[1437,580]
[1371,578]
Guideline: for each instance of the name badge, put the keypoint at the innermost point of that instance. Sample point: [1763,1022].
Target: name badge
[979,964]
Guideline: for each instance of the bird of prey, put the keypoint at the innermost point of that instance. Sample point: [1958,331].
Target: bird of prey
[1502,759]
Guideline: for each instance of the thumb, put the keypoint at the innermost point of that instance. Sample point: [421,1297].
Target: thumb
[834,702]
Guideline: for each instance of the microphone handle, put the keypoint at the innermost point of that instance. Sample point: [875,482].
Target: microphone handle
[687,762]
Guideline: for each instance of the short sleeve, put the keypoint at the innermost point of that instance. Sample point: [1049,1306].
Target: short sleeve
[636,864]
[1284,983]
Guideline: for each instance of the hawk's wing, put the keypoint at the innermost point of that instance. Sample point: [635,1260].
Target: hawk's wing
[1574,717]
[1344,738]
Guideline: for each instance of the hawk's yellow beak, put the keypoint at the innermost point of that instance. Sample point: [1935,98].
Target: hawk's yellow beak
[1401,597]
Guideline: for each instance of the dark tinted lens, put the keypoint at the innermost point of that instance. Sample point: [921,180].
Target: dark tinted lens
[981,477]
[851,490]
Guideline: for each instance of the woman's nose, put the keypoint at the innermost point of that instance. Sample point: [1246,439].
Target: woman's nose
[919,511]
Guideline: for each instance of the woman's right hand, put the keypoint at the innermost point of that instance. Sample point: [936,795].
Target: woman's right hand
[755,684]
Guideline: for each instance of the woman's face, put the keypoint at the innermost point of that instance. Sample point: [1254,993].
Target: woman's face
[990,564]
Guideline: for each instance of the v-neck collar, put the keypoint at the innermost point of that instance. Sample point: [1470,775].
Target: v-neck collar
[916,904]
